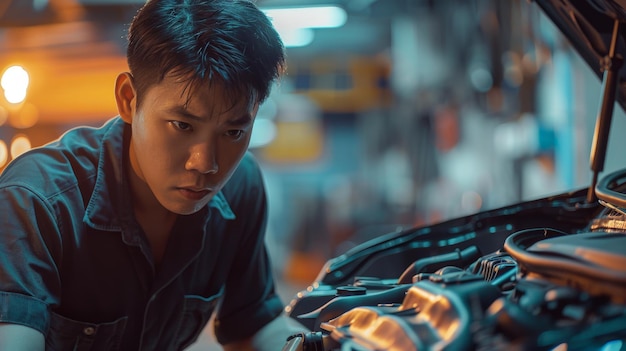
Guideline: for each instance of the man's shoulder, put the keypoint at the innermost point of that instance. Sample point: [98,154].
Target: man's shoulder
[70,159]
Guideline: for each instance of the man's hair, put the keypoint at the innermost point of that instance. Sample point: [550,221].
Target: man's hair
[231,42]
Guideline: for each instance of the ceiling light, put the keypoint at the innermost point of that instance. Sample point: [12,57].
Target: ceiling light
[307,17]
[296,37]
[295,24]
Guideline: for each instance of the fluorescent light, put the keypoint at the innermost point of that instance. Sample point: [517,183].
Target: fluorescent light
[296,37]
[294,24]
[307,17]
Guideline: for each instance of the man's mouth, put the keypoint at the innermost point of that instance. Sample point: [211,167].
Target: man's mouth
[195,193]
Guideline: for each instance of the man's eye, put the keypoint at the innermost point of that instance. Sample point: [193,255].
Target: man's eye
[235,133]
[181,125]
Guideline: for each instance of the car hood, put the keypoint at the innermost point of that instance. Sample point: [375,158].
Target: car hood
[589,26]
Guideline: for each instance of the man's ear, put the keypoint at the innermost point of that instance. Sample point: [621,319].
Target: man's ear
[125,96]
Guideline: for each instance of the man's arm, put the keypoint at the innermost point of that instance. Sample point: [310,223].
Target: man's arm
[271,337]
[20,338]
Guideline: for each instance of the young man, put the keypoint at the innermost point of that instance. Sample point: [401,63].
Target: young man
[130,236]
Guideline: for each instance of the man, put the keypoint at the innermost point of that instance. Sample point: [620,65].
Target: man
[129,236]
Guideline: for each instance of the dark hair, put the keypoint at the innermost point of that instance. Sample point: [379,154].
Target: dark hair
[204,41]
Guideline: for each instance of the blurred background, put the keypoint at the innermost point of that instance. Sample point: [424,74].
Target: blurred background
[393,113]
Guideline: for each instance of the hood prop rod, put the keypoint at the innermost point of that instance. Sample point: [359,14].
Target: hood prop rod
[610,65]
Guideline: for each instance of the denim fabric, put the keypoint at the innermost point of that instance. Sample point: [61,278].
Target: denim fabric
[75,264]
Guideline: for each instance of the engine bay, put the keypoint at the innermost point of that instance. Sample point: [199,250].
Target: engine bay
[560,286]
[548,274]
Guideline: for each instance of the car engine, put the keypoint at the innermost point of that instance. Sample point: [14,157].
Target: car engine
[560,286]
[548,274]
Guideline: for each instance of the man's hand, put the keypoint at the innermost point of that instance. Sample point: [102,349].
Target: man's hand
[272,337]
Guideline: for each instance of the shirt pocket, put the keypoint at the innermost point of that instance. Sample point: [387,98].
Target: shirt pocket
[66,334]
[197,311]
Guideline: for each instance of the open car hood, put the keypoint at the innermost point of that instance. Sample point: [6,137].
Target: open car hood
[597,30]
[590,26]
[546,274]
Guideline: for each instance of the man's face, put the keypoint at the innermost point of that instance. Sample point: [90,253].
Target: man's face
[186,143]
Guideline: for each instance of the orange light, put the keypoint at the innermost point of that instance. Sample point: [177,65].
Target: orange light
[15,82]
[4,115]
[19,145]
[4,153]
[26,117]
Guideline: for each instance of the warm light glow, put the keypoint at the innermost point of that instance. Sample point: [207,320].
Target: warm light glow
[19,145]
[15,82]
[15,96]
[4,115]
[4,153]
[26,117]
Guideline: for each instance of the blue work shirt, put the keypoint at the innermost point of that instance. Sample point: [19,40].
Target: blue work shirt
[75,264]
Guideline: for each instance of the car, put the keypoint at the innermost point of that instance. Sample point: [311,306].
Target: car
[545,274]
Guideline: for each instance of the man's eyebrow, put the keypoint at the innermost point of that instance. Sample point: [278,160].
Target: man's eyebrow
[182,111]
[241,120]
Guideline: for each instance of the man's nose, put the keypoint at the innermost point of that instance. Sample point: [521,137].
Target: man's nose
[202,158]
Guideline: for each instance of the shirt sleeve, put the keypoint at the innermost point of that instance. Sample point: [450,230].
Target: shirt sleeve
[250,301]
[28,273]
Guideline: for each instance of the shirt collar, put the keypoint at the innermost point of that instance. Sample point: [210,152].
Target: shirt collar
[110,206]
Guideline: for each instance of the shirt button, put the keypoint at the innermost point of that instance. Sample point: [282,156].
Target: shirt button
[89,331]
